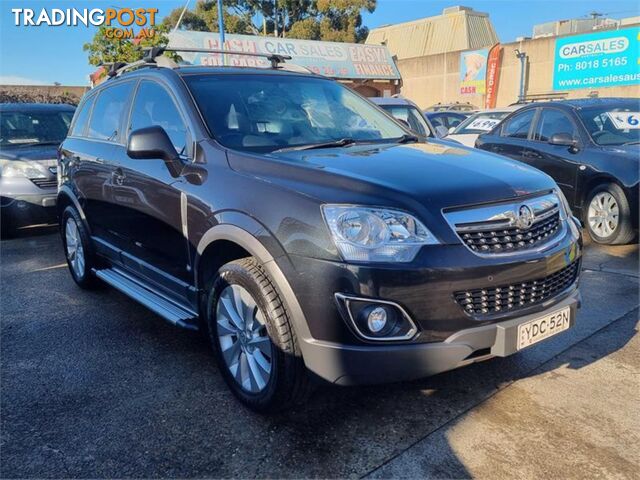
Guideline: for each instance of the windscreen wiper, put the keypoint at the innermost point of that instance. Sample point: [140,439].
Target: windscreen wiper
[343,142]
[406,138]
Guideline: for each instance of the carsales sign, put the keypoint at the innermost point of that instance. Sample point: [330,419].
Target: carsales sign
[604,59]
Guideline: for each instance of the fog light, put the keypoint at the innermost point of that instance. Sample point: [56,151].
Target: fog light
[377,319]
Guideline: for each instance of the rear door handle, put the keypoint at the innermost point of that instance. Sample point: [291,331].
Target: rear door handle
[118,176]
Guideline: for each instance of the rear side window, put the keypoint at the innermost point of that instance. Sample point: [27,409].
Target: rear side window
[106,119]
[553,121]
[519,125]
[80,124]
[154,106]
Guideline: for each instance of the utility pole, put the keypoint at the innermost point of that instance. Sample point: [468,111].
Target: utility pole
[221,24]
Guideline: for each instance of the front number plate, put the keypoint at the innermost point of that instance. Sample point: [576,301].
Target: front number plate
[543,327]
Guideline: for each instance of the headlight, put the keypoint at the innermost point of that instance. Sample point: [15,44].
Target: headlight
[365,234]
[16,168]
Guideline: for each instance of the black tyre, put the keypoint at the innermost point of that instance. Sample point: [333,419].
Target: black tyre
[253,338]
[608,216]
[78,248]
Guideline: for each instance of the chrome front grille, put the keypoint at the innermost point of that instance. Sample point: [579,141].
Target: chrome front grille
[512,238]
[45,182]
[509,226]
[507,298]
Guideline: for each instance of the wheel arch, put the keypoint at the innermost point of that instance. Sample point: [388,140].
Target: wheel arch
[240,243]
[66,198]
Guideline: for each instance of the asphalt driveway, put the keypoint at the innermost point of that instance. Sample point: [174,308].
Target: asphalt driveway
[94,385]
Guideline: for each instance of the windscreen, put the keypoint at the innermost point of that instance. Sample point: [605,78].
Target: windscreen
[33,128]
[261,112]
[613,125]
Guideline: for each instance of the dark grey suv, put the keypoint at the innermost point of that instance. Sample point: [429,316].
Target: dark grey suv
[307,233]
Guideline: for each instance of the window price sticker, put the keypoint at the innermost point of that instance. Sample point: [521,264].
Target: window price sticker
[485,124]
[625,120]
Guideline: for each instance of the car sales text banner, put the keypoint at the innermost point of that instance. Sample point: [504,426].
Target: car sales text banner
[331,59]
[604,59]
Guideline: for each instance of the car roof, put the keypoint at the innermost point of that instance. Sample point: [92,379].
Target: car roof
[580,103]
[391,101]
[446,112]
[32,107]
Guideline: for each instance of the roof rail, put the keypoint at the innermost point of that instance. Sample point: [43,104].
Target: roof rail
[153,52]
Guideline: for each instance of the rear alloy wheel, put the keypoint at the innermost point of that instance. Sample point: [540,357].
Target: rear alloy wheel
[253,338]
[78,248]
[608,215]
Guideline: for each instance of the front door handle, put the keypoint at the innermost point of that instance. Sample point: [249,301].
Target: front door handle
[118,176]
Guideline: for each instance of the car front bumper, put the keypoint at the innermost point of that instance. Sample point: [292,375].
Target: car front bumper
[23,203]
[446,335]
[363,365]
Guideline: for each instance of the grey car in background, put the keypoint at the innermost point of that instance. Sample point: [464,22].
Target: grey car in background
[30,134]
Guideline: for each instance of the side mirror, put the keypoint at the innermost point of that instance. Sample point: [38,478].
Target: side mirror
[563,139]
[403,122]
[441,131]
[452,129]
[153,143]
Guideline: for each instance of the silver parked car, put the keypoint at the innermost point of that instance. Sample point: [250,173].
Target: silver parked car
[30,134]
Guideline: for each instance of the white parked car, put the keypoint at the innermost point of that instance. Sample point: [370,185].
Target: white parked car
[468,131]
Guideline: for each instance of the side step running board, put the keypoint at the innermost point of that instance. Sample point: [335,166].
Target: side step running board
[175,313]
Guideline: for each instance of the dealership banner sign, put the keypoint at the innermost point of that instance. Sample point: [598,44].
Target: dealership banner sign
[473,72]
[493,75]
[594,60]
[331,59]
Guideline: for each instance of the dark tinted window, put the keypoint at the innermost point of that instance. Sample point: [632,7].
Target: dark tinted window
[35,127]
[553,121]
[154,106]
[108,112]
[80,125]
[518,126]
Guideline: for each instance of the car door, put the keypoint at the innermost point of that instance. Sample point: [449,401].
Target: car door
[511,138]
[149,199]
[561,162]
[92,153]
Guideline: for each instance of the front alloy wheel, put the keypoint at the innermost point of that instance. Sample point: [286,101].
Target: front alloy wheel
[243,338]
[253,338]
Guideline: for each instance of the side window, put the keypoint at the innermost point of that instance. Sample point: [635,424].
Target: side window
[153,105]
[553,121]
[519,125]
[106,119]
[80,125]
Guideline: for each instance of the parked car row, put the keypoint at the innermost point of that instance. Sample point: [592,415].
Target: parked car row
[311,234]
[307,232]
